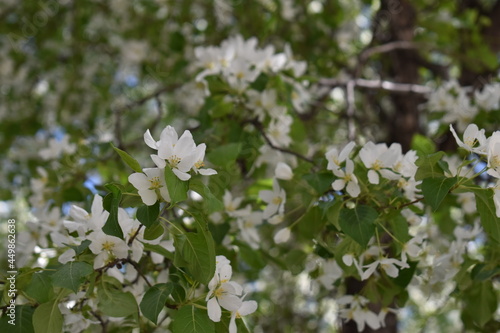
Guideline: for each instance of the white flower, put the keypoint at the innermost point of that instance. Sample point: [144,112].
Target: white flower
[150,185]
[199,153]
[106,247]
[358,312]
[489,98]
[335,158]
[83,221]
[246,308]
[494,155]
[283,171]
[178,153]
[57,148]
[474,139]
[388,264]
[347,180]
[231,204]
[278,130]
[378,158]
[247,224]
[275,199]
[222,292]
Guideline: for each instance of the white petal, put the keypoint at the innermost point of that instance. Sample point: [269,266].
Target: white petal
[160,163]
[148,197]
[338,185]
[181,175]
[353,189]
[373,177]
[148,138]
[139,180]
[232,323]
[214,310]
[247,308]
[229,302]
[282,236]
[207,172]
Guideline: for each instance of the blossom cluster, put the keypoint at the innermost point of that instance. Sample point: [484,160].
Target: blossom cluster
[380,161]
[476,142]
[459,106]
[182,155]
[227,294]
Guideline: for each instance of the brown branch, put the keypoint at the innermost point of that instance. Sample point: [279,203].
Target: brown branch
[394,87]
[260,128]
[135,235]
[384,48]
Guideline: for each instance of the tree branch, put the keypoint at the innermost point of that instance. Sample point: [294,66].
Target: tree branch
[260,128]
[394,87]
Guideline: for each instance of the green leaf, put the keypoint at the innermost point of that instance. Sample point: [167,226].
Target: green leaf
[436,189]
[428,166]
[116,303]
[47,318]
[40,287]
[159,249]
[23,322]
[211,203]
[320,182]
[129,160]
[112,227]
[311,223]
[486,208]
[80,248]
[196,254]
[178,293]
[71,275]
[225,155]
[480,302]
[190,319]
[147,215]
[422,145]
[196,251]
[176,188]
[154,300]
[358,223]
[154,231]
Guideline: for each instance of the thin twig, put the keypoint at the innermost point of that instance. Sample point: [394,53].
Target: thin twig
[260,128]
[393,87]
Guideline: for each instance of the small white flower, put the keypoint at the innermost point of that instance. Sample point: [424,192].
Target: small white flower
[246,308]
[150,185]
[474,139]
[275,199]
[199,153]
[347,180]
[106,247]
[222,292]
[335,158]
[388,264]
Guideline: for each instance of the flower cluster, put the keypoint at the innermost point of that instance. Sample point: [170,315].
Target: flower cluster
[182,155]
[381,161]
[475,141]
[227,294]
[457,104]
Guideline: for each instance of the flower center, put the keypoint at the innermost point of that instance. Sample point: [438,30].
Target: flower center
[174,161]
[155,183]
[276,200]
[108,245]
[199,164]
[377,165]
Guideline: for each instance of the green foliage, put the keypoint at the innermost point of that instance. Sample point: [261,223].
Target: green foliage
[154,300]
[358,223]
[47,318]
[436,189]
[129,160]
[489,219]
[148,215]
[111,203]
[190,319]
[176,188]
[71,275]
